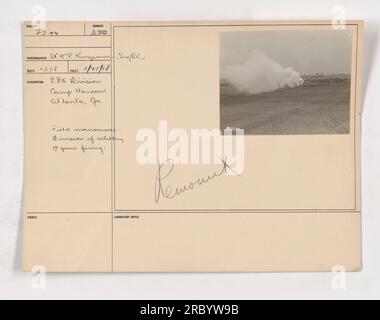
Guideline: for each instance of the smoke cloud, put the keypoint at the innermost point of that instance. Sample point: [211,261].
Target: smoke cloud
[261,74]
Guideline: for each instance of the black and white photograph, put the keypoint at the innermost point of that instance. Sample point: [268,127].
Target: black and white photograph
[286,82]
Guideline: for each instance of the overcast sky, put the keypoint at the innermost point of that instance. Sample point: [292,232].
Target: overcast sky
[306,51]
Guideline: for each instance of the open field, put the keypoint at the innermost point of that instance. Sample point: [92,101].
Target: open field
[320,106]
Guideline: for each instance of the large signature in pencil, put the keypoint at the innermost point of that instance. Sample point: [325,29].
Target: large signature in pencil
[167,191]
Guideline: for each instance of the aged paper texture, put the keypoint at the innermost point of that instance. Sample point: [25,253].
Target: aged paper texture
[192,147]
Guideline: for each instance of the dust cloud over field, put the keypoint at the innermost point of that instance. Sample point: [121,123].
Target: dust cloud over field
[321,105]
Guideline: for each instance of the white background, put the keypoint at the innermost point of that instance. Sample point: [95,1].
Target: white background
[15,284]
